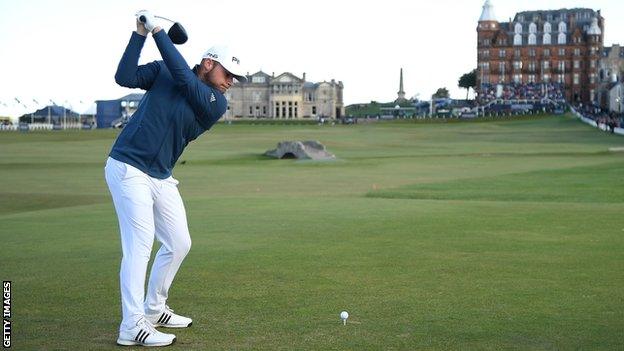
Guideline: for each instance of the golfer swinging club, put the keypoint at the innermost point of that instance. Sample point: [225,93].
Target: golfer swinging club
[179,105]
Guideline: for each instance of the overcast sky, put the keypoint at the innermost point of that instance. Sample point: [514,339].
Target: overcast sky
[68,50]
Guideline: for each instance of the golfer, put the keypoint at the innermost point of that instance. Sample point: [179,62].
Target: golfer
[180,104]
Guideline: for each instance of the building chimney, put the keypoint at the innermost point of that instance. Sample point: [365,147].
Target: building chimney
[304,76]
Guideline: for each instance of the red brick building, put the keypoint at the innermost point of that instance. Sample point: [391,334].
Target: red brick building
[560,47]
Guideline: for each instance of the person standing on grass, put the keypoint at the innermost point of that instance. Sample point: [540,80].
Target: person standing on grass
[180,104]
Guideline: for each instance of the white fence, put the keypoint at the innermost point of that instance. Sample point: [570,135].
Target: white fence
[40,126]
[593,123]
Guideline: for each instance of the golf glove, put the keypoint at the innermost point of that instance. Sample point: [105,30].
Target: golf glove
[147,19]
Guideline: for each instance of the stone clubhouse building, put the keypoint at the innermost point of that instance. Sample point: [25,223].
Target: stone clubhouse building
[285,96]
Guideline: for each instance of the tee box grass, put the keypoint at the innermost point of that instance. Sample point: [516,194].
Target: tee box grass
[433,236]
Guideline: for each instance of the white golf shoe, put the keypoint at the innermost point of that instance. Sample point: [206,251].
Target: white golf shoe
[168,319]
[144,334]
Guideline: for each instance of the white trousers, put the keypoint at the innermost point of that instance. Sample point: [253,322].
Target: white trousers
[146,207]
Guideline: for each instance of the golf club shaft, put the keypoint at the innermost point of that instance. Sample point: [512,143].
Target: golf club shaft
[142,19]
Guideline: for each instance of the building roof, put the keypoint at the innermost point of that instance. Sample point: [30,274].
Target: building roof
[310,85]
[582,16]
[488,12]
[613,85]
[594,29]
[53,111]
[286,77]
[132,97]
[606,51]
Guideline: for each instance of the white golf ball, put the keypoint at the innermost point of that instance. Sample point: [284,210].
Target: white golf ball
[344,315]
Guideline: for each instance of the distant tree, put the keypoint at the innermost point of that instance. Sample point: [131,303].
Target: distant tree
[441,93]
[468,80]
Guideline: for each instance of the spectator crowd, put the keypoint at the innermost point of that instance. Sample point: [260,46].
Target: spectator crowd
[516,91]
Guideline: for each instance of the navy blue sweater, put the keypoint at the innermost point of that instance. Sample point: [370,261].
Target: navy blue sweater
[176,109]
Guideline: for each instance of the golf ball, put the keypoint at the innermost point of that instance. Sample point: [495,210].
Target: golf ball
[344,315]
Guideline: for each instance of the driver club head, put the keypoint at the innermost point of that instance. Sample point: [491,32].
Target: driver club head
[177,33]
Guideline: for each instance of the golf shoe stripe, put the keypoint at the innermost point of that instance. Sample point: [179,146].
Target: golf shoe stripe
[162,316]
[167,320]
[139,335]
[145,337]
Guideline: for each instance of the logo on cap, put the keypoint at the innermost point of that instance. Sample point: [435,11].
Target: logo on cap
[214,56]
[234,59]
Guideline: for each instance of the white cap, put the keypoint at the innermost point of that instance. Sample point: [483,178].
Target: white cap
[231,63]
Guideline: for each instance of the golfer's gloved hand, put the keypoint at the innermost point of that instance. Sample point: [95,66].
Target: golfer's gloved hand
[147,19]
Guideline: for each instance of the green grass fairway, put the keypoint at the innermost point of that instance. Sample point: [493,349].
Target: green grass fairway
[498,235]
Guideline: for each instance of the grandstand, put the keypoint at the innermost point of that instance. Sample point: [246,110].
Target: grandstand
[525,97]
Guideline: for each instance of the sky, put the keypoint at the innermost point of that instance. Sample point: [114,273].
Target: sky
[67,51]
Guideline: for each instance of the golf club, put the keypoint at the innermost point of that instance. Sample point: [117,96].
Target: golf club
[177,33]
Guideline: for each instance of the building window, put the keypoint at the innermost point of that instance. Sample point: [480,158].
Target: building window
[547,27]
[517,64]
[561,66]
[531,78]
[546,78]
[314,108]
[560,78]
[562,27]
[532,28]
[577,64]
[546,39]
[486,42]
[577,52]
[532,52]
[546,52]
[264,110]
[576,78]
[501,67]
[561,39]
[546,64]
[532,66]
[532,39]
[502,53]
[517,78]
[517,53]
[517,39]
[517,28]
[561,52]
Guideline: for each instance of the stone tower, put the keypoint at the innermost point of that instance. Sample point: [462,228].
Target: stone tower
[401,93]
[486,31]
